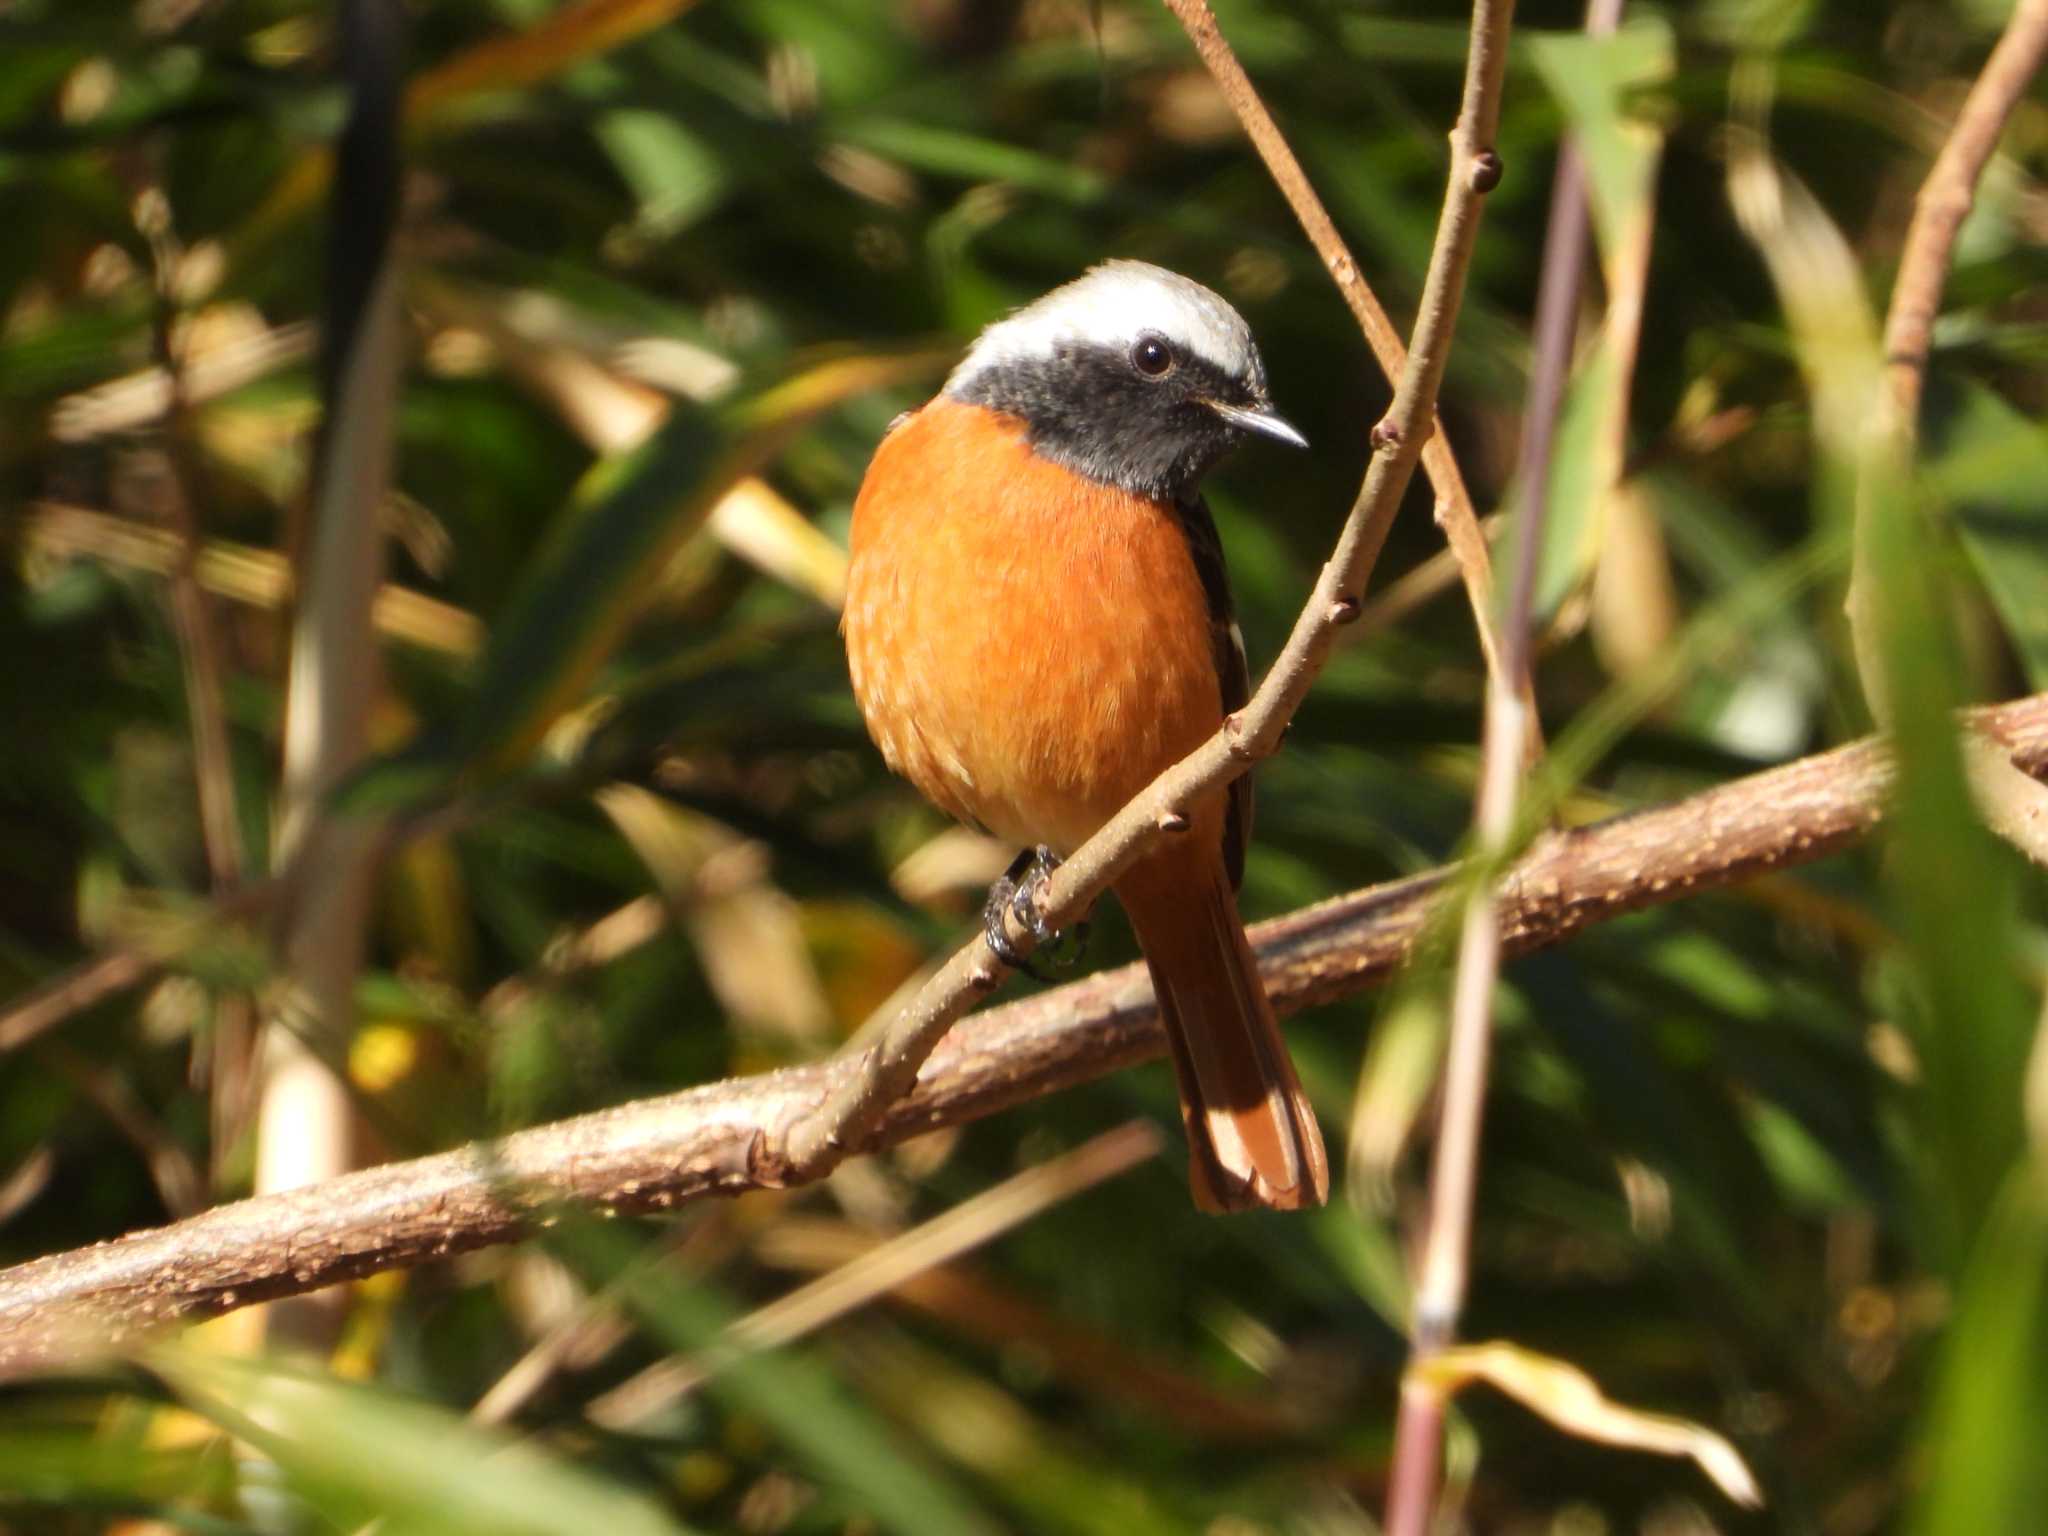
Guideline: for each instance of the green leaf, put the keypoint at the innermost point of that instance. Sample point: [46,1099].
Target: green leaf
[1579,480]
[357,1453]
[1986,1470]
[800,1402]
[584,587]
[1989,463]
[948,152]
[1954,888]
[1596,81]
[674,174]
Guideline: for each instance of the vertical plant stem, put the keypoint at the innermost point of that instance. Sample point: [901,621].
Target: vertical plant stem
[1446,1256]
[306,1126]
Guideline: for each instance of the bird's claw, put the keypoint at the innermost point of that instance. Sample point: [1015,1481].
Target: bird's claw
[1016,895]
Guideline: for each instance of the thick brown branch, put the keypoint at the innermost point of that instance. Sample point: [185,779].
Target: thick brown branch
[662,1153]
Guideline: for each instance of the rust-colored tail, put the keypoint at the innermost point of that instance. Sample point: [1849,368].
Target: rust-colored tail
[1252,1137]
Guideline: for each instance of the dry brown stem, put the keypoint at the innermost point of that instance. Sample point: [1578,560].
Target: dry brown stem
[658,1154]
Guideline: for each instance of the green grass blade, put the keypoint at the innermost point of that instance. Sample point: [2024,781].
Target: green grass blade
[1987,1470]
[357,1454]
[844,1444]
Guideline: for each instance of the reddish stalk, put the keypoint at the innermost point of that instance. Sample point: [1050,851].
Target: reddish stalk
[1446,1258]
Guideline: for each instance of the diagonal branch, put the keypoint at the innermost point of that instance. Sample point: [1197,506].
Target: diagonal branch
[1454,511]
[2012,805]
[658,1154]
[890,1063]
[1945,199]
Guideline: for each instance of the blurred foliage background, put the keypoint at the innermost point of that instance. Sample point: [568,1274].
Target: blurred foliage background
[646,843]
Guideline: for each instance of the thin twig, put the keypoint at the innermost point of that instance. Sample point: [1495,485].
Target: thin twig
[114,971]
[889,1065]
[1945,199]
[1939,208]
[1446,1253]
[1417,586]
[595,1323]
[1454,511]
[171,1168]
[659,1154]
[44,1007]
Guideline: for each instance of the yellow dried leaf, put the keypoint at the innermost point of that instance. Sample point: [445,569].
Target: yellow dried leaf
[1570,1399]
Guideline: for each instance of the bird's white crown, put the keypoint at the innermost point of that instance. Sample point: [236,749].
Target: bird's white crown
[1112,305]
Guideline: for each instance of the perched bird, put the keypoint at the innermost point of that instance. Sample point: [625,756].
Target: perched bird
[1038,622]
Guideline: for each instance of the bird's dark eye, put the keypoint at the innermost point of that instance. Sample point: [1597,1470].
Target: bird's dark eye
[1151,356]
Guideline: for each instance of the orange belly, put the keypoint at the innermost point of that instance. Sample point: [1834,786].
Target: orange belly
[1029,648]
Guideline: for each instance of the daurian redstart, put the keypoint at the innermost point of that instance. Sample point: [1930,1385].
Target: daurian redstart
[1038,623]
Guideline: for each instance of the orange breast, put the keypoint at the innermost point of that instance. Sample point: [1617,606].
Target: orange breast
[1029,648]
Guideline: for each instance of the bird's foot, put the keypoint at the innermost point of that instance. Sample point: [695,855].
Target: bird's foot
[1017,895]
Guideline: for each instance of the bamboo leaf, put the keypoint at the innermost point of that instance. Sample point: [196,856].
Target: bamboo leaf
[508,61]
[1986,1469]
[1598,81]
[584,587]
[1951,884]
[800,1402]
[1989,463]
[357,1454]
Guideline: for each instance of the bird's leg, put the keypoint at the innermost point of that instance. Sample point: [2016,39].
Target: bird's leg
[1016,894]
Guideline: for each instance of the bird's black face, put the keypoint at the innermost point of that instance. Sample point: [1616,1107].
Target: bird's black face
[1149,415]
[1132,375]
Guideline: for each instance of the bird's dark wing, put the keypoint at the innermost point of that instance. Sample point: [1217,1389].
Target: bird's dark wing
[1233,673]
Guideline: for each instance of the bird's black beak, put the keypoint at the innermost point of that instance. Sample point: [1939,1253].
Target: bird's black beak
[1260,420]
